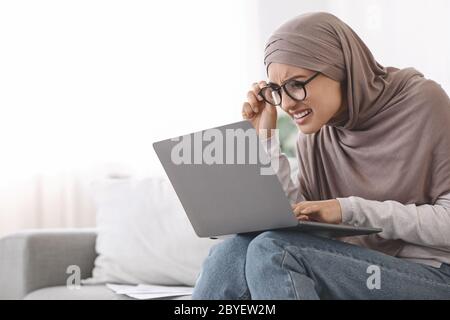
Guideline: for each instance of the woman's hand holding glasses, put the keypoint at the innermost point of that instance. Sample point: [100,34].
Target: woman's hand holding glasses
[261,114]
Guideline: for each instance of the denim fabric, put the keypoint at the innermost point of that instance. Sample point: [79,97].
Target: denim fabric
[286,264]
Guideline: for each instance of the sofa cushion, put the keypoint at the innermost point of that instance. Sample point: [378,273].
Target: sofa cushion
[144,235]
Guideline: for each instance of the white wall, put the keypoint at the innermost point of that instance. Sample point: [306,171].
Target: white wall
[86,83]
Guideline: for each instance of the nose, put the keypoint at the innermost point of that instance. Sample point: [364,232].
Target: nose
[287,103]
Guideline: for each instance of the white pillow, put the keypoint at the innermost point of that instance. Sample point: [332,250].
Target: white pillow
[144,235]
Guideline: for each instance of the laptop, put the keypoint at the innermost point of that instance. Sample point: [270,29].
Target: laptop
[227,185]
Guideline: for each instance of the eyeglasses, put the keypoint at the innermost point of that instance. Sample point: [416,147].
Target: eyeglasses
[293,88]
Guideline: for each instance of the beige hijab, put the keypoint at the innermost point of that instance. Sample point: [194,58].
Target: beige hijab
[392,143]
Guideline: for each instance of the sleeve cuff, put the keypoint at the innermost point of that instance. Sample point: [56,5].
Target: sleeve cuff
[346,210]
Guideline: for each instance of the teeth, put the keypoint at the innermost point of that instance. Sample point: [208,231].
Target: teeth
[302,114]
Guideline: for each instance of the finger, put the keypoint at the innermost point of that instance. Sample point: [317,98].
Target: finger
[310,209]
[256,88]
[297,211]
[244,114]
[262,84]
[303,218]
[251,97]
[303,204]
[247,111]
[307,212]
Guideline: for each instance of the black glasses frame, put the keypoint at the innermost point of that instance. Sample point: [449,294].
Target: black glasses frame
[278,88]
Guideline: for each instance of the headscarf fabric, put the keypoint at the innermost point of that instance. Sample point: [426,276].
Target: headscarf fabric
[393,140]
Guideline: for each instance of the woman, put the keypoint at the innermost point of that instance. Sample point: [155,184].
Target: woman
[373,150]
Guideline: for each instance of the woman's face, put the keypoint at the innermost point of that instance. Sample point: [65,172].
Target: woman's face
[324,97]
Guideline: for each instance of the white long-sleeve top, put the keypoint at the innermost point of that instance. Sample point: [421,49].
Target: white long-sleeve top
[424,228]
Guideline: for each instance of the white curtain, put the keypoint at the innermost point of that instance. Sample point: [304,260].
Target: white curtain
[46,201]
[86,86]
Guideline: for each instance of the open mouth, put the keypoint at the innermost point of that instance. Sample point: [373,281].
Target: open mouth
[301,116]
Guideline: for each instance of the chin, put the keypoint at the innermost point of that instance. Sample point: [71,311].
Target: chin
[308,129]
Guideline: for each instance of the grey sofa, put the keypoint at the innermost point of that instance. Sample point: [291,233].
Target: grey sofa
[33,265]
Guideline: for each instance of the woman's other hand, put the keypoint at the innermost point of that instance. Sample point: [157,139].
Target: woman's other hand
[327,211]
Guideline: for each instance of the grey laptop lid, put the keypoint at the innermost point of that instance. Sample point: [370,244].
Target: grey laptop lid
[224,189]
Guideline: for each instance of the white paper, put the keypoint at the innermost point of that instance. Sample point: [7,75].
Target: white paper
[146,291]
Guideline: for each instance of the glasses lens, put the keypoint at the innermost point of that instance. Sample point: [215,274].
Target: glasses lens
[296,89]
[270,95]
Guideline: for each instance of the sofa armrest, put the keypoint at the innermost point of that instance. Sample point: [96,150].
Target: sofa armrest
[34,259]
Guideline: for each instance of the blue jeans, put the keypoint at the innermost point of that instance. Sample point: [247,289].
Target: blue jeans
[286,264]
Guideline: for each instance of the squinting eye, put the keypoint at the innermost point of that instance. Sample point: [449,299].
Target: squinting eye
[297,84]
[274,87]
